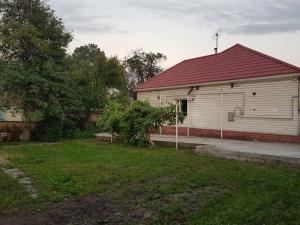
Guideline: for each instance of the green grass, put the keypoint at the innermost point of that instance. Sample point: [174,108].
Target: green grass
[174,185]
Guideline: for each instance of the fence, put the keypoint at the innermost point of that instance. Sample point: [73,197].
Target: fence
[11,130]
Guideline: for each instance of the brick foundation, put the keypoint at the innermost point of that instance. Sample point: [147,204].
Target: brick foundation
[197,132]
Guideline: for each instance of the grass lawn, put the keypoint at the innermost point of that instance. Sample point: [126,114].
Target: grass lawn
[153,186]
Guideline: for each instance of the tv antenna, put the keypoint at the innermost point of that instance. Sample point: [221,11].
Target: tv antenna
[217,42]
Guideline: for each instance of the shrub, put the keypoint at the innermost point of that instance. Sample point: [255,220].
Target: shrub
[50,130]
[71,129]
[112,117]
[135,123]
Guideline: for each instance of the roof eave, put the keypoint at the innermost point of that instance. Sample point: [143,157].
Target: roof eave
[277,76]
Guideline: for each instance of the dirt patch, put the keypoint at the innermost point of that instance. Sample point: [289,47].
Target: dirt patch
[140,208]
[173,208]
[91,210]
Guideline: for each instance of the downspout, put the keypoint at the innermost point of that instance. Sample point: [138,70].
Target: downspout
[188,111]
[299,106]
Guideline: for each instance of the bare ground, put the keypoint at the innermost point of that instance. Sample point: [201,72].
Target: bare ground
[100,209]
[91,210]
[137,207]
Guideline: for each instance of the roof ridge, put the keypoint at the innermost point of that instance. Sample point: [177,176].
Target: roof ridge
[199,57]
[268,57]
[215,54]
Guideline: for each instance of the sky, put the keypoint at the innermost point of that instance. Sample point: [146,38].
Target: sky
[183,29]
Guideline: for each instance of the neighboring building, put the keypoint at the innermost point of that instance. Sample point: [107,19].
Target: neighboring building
[238,93]
[8,116]
[11,126]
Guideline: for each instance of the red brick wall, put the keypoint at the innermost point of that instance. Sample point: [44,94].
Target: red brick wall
[197,132]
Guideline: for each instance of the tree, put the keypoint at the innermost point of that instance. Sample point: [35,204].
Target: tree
[93,74]
[141,66]
[33,44]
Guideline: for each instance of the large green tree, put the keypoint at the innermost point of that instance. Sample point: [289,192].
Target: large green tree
[141,66]
[93,74]
[33,44]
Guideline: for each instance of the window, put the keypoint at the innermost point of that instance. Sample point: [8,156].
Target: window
[183,106]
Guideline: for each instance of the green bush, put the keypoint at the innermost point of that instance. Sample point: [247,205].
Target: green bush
[71,130]
[112,117]
[134,123]
[50,130]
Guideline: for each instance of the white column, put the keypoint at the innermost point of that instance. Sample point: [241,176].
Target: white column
[221,113]
[160,104]
[188,115]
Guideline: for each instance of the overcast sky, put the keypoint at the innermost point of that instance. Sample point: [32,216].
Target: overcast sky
[183,29]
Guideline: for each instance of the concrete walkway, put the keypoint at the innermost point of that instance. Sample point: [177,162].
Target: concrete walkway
[236,149]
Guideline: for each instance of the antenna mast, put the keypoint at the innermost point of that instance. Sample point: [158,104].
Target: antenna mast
[217,43]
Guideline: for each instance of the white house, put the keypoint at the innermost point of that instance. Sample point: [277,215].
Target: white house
[238,93]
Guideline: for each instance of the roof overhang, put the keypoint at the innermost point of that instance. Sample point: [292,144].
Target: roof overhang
[216,83]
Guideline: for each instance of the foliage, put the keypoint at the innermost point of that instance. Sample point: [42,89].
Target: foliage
[141,118]
[135,122]
[112,116]
[38,78]
[141,66]
[71,129]
[92,74]
[33,44]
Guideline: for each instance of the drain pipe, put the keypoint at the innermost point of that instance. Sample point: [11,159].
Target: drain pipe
[299,106]
[188,110]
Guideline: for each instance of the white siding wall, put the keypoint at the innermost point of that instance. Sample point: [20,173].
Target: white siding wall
[9,116]
[269,111]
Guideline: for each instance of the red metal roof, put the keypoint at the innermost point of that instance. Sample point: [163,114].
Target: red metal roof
[236,62]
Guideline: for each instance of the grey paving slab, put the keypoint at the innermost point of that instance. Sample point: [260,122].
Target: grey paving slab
[22,179]
[272,149]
